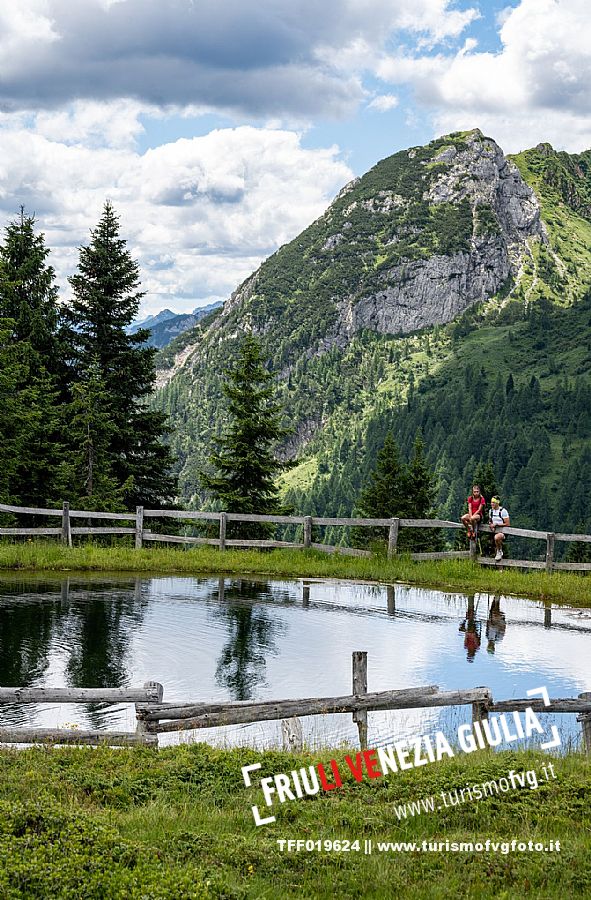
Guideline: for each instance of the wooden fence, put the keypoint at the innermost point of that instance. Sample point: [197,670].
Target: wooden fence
[155,717]
[142,534]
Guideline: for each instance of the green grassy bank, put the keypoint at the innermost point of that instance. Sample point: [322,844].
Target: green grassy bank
[134,823]
[460,575]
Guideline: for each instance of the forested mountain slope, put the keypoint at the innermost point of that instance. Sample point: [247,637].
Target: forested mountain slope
[443,290]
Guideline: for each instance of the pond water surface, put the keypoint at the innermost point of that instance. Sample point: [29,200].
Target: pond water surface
[213,639]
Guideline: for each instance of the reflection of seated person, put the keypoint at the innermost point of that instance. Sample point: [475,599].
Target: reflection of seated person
[471,629]
[495,626]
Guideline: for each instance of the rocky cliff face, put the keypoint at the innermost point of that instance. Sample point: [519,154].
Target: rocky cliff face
[415,242]
[421,237]
[434,290]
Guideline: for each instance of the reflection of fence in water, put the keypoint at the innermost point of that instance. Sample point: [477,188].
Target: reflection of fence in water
[155,717]
[141,534]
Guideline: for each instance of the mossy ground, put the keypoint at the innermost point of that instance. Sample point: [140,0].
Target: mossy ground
[176,823]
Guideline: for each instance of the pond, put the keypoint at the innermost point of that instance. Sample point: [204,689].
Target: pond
[215,639]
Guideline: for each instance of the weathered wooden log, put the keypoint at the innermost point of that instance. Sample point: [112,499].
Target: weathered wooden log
[153,712]
[73,736]
[345,551]
[223,526]
[573,567]
[79,695]
[513,563]
[288,708]
[237,542]
[585,538]
[429,523]
[441,554]
[179,539]
[102,530]
[180,514]
[518,532]
[30,510]
[567,705]
[279,520]
[359,689]
[89,514]
[41,532]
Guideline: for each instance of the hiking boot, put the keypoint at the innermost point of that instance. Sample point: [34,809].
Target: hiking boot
[499,555]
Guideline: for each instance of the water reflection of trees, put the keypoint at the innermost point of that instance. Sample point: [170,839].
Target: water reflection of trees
[252,635]
[90,623]
[26,630]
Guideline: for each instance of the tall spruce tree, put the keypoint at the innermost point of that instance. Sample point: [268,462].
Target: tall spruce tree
[396,489]
[28,294]
[32,363]
[245,466]
[421,497]
[86,474]
[106,299]
[385,494]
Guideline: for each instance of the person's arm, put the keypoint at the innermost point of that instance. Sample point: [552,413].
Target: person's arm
[506,520]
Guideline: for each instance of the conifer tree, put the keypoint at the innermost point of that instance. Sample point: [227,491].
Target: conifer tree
[484,475]
[385,495]
[245,465]
[31,362]
[28,294]
[106,299]
[87,475]
[421,498]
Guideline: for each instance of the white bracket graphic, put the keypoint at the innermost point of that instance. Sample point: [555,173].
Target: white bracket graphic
[543,693]
[246,770]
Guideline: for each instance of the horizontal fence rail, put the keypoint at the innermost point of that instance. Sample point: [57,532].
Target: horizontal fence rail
[142,534]
[155,717]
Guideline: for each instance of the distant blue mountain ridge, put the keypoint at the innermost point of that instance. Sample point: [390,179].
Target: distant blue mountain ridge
[165,325]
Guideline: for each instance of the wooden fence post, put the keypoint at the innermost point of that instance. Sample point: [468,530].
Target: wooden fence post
[585,720]
[391,599]
[291,731]
[307,532]
[393,537]
[141,729]
[66,528]
[223,525]
[550,537]
[473,549]
[360,687]
[547,614]
[479,711]
[139,527]
[305,594]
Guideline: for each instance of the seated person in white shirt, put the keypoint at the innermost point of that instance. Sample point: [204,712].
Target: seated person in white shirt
[498,517]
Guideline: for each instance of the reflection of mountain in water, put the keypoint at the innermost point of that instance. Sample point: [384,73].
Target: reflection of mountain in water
[88,623]
[252,636]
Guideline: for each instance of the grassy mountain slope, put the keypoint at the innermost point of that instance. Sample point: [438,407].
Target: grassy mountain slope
[343,389]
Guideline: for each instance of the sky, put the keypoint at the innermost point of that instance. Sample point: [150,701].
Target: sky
[219,129]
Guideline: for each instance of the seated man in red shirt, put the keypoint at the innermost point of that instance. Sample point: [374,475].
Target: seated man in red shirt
[476,505]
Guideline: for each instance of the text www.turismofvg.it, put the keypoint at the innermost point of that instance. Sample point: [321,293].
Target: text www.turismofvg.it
[527,778]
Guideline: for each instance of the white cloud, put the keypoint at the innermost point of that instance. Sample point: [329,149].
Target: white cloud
[535,88]
[259,57]
[383,102]
[200,214]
